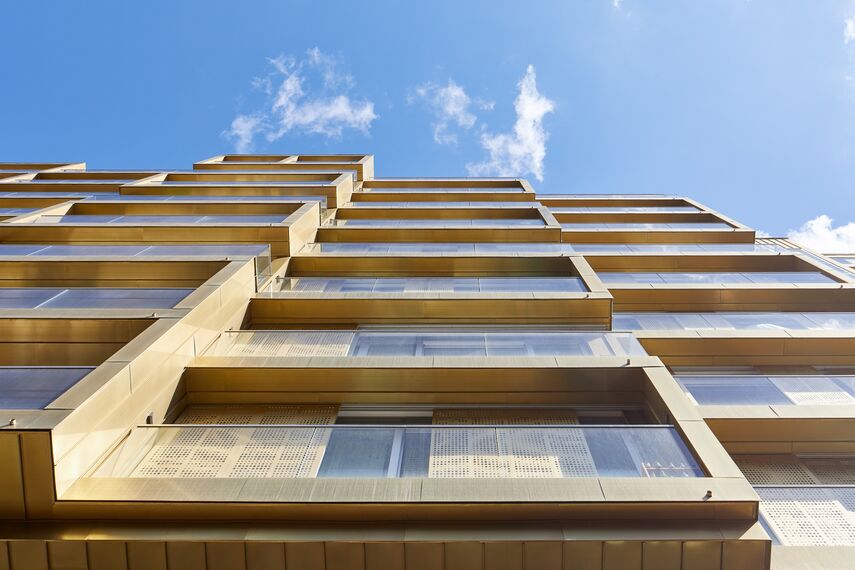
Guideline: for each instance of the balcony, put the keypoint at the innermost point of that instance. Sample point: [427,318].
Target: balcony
[280,224]
[414,343]
[333,188]
[361,165]
[482,190]
[399,451]
[433,224]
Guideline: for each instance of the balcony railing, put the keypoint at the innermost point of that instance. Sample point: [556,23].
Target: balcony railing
[436,223]
[733,321]
[90,298]
[428,285]
[384,451]
[715,278]
[810,515]
[34,387]
[451,248]
[403,343]
[753,390]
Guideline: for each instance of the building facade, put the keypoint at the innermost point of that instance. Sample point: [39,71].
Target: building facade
[283,361]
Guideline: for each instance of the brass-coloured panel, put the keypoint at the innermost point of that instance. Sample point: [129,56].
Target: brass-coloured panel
[67,555]
[344,555]
[505,555]
[28,555]
[424,556]
[11,478]
[147,555]
[661,555]
[225,555]
[107,555]
[621,555]
[583,555]
[384,556]
[265,555]
[305,555]
[186,555]
[702,555]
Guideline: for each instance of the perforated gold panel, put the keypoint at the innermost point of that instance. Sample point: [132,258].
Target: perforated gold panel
[241,453]
[486,453]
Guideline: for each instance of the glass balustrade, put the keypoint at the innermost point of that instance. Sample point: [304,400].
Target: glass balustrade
[438,204]
[657,226]
[34,387]
[622,209]
[533,248]
[733,321]
[440,189]
[715,278]
[134,250]
[90,298]
[729,390]
[159,219]
[399,451]
[436,223]
[403,343]
[428,285]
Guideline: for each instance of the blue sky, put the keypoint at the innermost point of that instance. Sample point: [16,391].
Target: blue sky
[748,106]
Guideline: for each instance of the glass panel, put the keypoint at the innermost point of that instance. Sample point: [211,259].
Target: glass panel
[430,284]
[733,321]
[423,343]
[24,387]
[437,223]
[717,277]
[738,390]
[700,226]
[381,451]
[817,390]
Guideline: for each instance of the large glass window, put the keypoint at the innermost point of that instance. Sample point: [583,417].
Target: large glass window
[95,298]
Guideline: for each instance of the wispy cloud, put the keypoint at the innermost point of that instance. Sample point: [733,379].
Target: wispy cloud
[522,151]
[308,95]
[821,235]
[848,29]
[451,106]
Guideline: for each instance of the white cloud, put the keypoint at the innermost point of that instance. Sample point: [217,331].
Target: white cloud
[451,106]
[848,29]
[522,151]
[617,3]
[243,131]
[819,234]
[308,96]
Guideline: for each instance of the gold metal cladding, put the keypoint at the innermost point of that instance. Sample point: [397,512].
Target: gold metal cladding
[591,307]
[335,187]
[152,365]
[303,218]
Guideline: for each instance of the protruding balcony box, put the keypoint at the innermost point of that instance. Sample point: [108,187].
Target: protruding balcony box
[480,224]
[444,190]
[735,282]
[283,225]
[361,165]
[19,206]
[702,483]
[449,290]
[624,219]
[70,182]
[332,188]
